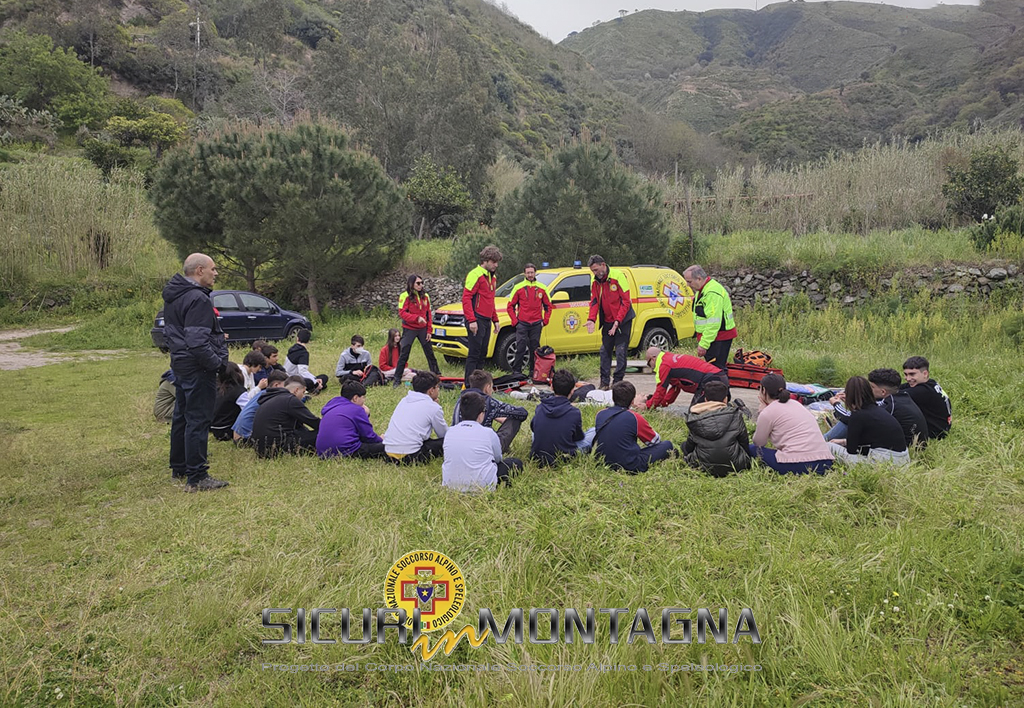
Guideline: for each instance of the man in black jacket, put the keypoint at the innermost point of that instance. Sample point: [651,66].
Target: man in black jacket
[509,418]
[929,397]
[283,423]
[885,385]
[198,351]
[718,437]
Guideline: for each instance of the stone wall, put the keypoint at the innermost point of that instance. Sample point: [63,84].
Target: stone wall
[748,286]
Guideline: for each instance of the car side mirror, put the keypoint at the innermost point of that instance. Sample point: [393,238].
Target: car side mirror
[560,296]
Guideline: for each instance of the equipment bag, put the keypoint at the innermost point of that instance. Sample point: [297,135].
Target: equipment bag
[754,358]
[543,364]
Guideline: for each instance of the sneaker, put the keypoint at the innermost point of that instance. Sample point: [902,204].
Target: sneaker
[205,485]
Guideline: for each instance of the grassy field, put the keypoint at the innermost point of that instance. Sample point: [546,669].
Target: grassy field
[117,588]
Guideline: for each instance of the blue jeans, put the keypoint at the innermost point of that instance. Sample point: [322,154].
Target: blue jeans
[190,426]
[838,431]
[587,442]
[769,457]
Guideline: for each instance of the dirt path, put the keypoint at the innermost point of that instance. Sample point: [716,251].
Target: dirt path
[14,357]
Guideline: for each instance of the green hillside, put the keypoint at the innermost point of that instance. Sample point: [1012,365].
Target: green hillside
[796,79]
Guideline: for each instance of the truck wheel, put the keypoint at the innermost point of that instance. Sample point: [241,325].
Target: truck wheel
[656,337]
[505,350]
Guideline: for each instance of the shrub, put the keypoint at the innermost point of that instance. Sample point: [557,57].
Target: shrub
[990,182]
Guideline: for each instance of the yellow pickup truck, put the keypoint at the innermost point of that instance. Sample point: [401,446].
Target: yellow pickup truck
[661,298]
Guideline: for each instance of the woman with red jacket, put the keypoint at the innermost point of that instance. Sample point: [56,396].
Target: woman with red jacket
[414,309]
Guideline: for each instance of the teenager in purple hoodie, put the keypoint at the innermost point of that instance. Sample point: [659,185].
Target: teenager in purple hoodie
[345,427]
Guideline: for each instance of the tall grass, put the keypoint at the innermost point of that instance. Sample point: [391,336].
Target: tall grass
[60,220]
[885,186]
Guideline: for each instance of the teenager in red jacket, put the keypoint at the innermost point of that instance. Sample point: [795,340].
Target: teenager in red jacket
[609,300]
[478,307]
[530,309]
[414,309]
[680,372]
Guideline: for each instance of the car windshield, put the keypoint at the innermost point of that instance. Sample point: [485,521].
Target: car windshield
[506,289]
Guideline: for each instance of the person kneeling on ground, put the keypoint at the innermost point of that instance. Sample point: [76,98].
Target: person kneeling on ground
[407,438]
[283,423]
[354,365]
[680,372]
[558,426]
[873,435]
[166,393]
[618,429]
[793,430]
[297,364]
[508,417]
[345,427]
[242,429]
[718,436]
[230,388]
[472,452]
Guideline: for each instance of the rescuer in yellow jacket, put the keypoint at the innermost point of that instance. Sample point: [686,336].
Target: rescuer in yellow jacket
[712,316]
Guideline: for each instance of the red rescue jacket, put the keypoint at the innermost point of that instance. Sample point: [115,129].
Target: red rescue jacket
[532,303]
[478,295]
[609,298]
[412,308]
[680,372]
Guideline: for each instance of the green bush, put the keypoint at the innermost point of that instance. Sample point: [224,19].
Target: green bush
[990,182]
[1000,232]
[108,156]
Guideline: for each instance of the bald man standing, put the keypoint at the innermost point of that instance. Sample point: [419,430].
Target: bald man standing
[198,351]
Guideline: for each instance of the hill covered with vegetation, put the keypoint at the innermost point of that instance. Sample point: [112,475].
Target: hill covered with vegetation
[795,80]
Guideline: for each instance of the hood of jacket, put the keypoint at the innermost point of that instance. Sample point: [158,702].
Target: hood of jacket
[180,285]
[555,406]
[336,402]
[712,424]
[270,394]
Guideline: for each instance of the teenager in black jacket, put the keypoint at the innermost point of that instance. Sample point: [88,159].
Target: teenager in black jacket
[718,442]
[873,434]
[283,423]
[230,385]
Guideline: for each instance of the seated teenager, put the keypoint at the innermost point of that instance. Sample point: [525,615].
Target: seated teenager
[345,427]
[472,452]
[873,435]
[166,393]
[680,372]
[416,416]
[354,364]
[617,430]
[718,442]
[270,353]
[297,364]
[387,359]
[793,430]
[242,429]
[253,363]
[230,388]
[508,417]
[929,397]
[558,426]
[283,423]
[885,385]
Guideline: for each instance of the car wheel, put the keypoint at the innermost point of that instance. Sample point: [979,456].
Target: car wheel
[454,360]
[505,350]
[656,337]
[290,334]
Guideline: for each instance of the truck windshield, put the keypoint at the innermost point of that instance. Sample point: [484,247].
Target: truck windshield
[506,288]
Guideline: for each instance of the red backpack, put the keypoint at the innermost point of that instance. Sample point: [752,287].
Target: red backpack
[543,364]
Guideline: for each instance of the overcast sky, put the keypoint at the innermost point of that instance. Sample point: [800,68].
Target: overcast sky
[557,18]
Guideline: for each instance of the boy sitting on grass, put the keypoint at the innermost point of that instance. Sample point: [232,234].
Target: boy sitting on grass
[718,439]
[619,428]
[283,423]
[508,417]
[472,452]
[929,397]
[345,427]
[558,426]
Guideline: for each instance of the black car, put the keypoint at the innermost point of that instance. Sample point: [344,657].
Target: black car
[245,317]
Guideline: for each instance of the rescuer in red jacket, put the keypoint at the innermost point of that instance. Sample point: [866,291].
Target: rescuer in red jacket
[478,307]
[680,372]
[529,307]
[610,300]
[414,309]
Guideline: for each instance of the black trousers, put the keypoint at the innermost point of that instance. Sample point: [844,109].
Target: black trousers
[311,383]
[617,344]
[369,451]
[477,346]
[507,469]
[507,432]
[699,396]
[431,448]
[405,348]
[718,353]
[195,398]
[527,342]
